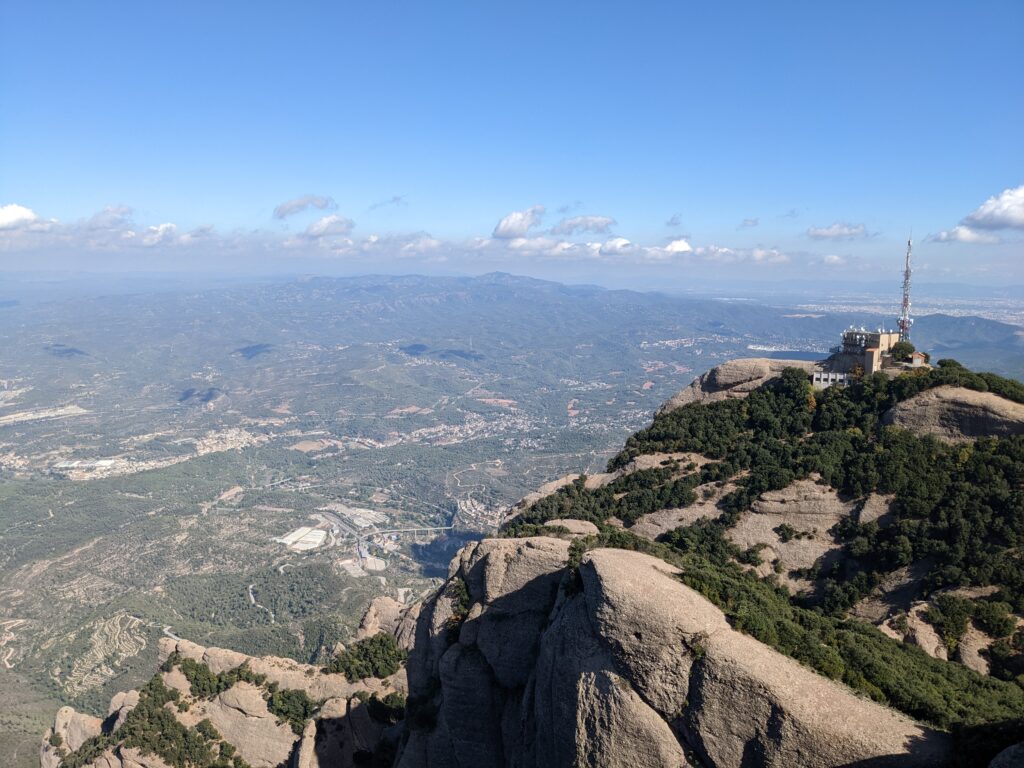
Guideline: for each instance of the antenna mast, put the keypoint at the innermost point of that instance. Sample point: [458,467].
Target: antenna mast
[905,320]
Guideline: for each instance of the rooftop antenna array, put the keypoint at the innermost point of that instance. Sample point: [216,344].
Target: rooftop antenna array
[905,321]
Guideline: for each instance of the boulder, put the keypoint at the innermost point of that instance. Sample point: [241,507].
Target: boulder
[305,752]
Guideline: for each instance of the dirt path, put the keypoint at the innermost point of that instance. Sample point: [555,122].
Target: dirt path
[252,599]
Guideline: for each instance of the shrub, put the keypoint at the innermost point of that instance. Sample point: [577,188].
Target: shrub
[377,656]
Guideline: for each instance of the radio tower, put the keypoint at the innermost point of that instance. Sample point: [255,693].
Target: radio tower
[905,320]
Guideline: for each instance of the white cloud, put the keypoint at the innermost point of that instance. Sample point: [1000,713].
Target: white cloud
[420,244]
[13,215]
[718,254]
[596,224]
[198,235]
[963,234]
[299,204]
[329,226]
[838,231]
[768,256]
[518,223]
[617,246]
[160,234]
[682,245]
[111,217]
[832,260]
[113,231]
[1002,211]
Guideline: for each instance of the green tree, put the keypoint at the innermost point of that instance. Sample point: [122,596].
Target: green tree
[902,350]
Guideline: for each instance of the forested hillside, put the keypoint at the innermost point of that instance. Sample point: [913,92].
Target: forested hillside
[955,513]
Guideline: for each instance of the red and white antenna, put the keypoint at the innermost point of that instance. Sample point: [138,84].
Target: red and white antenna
[905,321]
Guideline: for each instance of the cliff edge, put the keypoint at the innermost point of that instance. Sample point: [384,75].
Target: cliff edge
[521,661]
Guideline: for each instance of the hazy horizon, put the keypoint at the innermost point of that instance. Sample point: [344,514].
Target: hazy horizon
[658,148]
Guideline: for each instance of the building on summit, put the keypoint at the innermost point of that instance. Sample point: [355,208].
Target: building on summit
[862,352]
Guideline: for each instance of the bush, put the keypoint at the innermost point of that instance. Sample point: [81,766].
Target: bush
[377,656]
[292,706]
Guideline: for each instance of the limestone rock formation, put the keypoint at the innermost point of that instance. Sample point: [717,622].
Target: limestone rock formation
[805,511]
[385,614]
[340,736]
[70,729]
[120,705]
[241,716]
[955,413]
[735,378]
[621,665]
[287,673]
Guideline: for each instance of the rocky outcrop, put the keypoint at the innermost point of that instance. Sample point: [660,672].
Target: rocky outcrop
[120,705]
[574,527]
[287,673]
[70,730]
[385,614]
[955,413]
[736,378]
[621,665]
[792,525]
[921,633]
[972,648]
[241,716]
[341,735]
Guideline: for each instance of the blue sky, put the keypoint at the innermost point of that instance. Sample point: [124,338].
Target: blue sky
[679,140]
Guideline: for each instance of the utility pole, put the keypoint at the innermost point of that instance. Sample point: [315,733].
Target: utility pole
[905,320]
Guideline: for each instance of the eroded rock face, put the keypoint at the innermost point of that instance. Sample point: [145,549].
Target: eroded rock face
[385,614]
[735,378]
[628,667]
[287,673]
[242,717]
[120,705]
[73,729]
[954,414]
[808,510]
[342,734]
